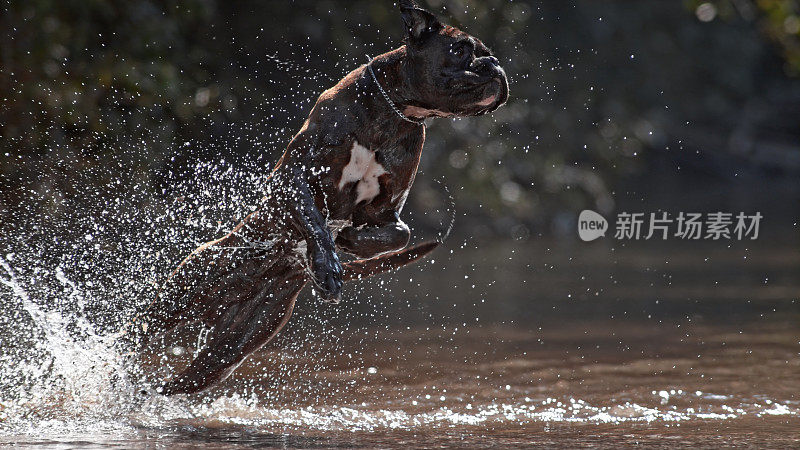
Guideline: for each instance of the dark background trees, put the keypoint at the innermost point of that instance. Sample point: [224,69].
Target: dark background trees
[612,101]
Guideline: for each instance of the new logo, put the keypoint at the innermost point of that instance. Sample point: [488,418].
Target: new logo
[591,225]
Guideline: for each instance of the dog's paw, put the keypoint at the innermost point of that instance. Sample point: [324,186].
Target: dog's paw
[327,271]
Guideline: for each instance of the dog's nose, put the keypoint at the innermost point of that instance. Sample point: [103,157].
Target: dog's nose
[485,65]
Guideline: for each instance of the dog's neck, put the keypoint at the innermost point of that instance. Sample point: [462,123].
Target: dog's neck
[392,72]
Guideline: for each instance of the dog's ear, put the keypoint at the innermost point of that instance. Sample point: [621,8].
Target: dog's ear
[418,22]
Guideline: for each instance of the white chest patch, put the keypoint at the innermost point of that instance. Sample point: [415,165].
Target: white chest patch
[364,170]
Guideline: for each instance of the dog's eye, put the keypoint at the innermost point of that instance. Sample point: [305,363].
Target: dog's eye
[461,51]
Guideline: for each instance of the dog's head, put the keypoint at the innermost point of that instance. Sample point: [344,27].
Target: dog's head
[452,73]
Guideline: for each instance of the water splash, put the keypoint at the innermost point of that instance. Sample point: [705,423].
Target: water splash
[57,374]
[70,279]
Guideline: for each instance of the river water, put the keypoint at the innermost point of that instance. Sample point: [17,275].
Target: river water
[510,344]
[581,383]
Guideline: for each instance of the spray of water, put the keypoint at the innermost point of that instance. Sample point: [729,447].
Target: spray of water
[60,366]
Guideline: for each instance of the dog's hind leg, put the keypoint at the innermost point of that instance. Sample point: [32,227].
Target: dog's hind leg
[216,274]
[244,327]
[239,330]
[365,268]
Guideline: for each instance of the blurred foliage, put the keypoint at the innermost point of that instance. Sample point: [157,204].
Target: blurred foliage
[80,77]
[131,91]
[779,20]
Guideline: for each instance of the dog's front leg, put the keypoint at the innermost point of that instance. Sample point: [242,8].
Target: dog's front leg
[367,241]
[310,222]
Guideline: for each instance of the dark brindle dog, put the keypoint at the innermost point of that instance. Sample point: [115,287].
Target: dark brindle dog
[340,185]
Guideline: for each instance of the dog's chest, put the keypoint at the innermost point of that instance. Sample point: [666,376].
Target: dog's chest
[364,170]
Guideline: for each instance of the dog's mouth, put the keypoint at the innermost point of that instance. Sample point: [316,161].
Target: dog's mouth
[490,92]
[490,100]
[491,95]
[483,84]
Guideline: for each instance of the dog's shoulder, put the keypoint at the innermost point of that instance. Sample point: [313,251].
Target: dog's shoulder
[344,92]
[334,115]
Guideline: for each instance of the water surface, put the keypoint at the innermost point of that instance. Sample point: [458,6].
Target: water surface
[571,383]
[505,345]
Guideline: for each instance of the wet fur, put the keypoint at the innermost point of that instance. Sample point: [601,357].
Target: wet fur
[244,285]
